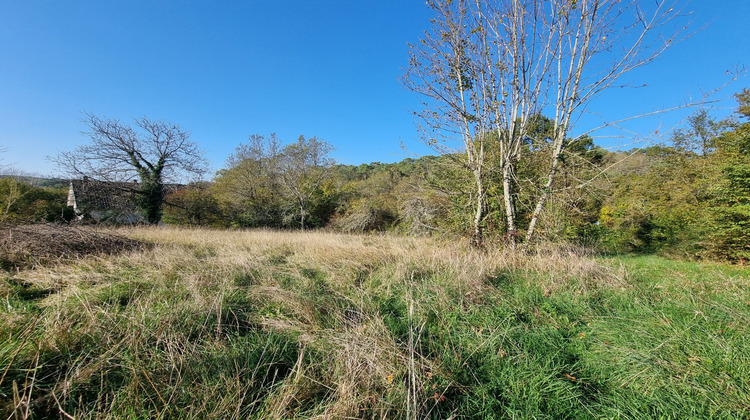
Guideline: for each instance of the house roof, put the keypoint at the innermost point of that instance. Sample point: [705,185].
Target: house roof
[92,194]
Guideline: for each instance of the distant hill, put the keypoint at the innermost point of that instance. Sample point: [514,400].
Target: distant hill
[39,181]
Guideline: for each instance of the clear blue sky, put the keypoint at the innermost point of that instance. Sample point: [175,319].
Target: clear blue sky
[227,69]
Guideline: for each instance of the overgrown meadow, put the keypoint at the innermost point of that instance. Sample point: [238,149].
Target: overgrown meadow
[202,324]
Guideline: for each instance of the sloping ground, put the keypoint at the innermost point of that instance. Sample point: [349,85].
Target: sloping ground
[28,245]
[262,324]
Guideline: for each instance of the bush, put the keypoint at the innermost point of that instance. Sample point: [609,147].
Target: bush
[365,216]
[24,203]
[193,206]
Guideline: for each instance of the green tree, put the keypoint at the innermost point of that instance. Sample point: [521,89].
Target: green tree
[654,203]
[249,188]
[194,205]
[731,208]
[267,184]
[25,203]
[691,198]
[303,166]
[700,134]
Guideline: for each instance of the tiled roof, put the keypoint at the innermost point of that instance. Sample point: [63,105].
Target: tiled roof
[91,194]
[101,195]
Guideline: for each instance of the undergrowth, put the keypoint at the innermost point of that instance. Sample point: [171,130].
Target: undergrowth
[263,324]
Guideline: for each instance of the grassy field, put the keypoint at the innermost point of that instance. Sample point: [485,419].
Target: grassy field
[261,324]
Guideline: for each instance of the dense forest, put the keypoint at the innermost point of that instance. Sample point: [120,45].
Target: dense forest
[688,198]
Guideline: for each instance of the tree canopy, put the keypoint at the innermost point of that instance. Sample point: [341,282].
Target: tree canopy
[488,68]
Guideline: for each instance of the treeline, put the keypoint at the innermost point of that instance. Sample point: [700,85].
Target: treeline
[24,200]
[690,197]
[266,185]
[298,186]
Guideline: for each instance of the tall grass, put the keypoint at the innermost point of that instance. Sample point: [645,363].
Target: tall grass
[267,324]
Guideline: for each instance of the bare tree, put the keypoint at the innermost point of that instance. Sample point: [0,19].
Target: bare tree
[596,43]
[444,68]
[491,66]
[151,151]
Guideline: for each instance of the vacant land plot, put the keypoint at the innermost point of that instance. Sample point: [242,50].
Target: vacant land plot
[262,324]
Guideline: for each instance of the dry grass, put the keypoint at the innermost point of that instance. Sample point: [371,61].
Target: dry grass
[232,324]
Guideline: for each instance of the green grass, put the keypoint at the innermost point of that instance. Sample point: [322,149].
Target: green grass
[282,325]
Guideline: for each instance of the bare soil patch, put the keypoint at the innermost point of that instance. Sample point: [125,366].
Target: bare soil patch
[26,246]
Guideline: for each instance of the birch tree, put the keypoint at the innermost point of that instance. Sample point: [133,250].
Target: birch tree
[444,68]
[491,66]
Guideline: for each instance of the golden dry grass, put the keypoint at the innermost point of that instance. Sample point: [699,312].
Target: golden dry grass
[156,314]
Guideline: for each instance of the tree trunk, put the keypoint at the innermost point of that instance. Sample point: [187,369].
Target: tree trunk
[477,238]
[150,198]
[547,189]
[510,210]
[302,216]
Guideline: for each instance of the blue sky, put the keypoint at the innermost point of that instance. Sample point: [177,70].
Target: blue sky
[227,69]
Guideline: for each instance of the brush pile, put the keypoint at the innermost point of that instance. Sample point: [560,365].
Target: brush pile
[31,245]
